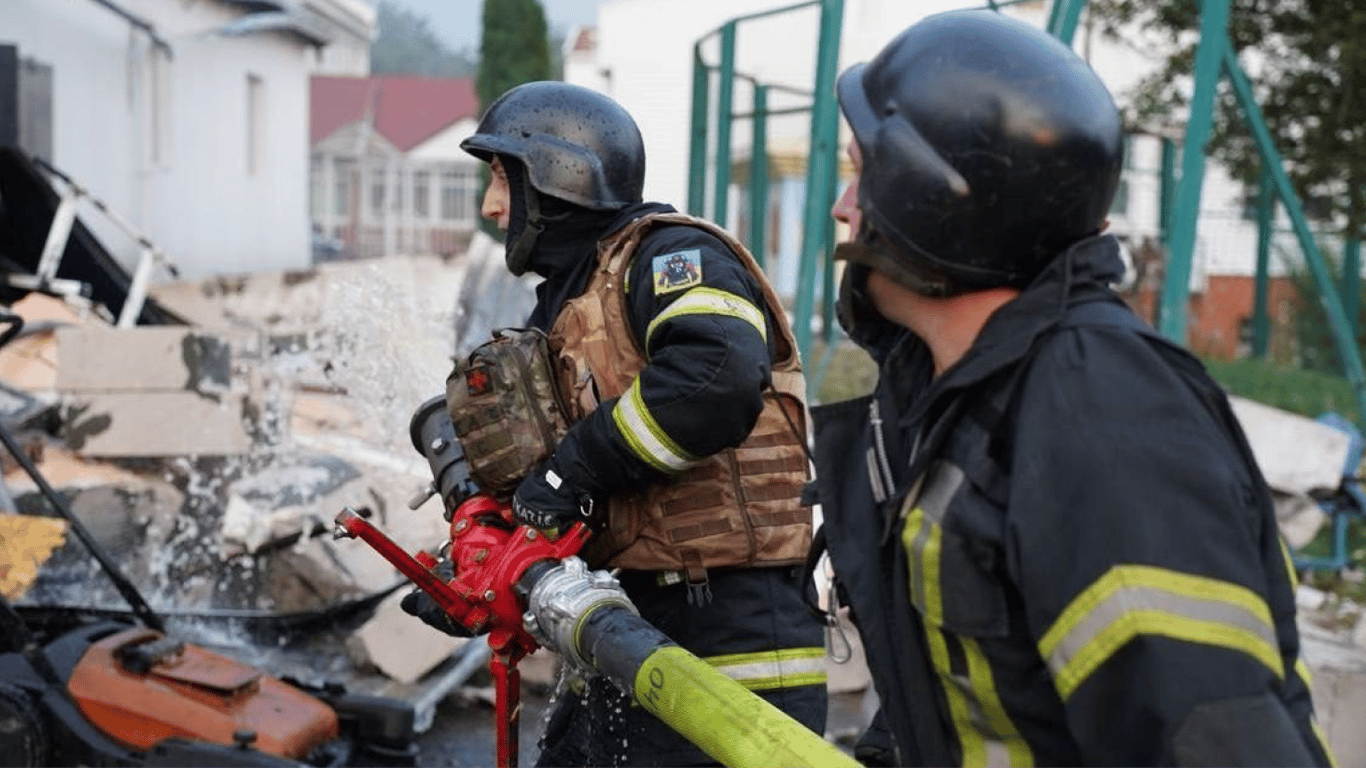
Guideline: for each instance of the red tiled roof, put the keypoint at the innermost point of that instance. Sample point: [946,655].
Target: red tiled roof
[404,110]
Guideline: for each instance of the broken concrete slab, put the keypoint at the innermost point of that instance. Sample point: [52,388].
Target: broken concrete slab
[100,359]
[1296,454]
[156,424]
[401,646]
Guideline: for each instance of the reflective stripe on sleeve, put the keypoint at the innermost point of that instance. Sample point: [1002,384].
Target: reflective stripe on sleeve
[644,435]
[709,301]
[1133,600]
[770,670]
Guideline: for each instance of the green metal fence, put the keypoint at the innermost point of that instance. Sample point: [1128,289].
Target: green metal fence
[1180,192]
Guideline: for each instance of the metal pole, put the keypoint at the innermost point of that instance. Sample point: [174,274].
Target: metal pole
[818,228]
[697,146]
[758,176]
[1167,192]
[1062,22]
[1208,55]
[1328,295]
[725,97]
[137,290]
[1351,281]
[1266,213]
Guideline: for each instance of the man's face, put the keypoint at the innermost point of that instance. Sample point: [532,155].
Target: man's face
[846,207]
[497,205]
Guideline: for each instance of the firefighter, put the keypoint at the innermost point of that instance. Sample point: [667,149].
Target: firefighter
[687,448]
[1046,522]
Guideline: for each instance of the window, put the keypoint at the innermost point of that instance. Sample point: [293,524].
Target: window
[421,181]
[1120,204]
[377,194]
[316,189]
[256,123]
[458,188]
[344,172]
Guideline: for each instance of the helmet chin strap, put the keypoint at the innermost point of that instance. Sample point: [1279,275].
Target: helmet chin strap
[871,249]
[525,224]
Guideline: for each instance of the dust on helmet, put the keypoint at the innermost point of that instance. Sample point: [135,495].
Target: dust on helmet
[988,147]
[575,144]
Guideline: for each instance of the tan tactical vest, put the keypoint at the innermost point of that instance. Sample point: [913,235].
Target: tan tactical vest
[739,508]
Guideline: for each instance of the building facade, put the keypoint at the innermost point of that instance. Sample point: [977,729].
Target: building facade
[387,175]
[189,119]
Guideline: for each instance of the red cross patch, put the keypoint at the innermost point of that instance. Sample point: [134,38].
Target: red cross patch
[477,381]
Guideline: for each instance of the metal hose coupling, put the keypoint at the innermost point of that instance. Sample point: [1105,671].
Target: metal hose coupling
[563,598]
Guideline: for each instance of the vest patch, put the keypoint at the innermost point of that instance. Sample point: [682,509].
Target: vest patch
[677,271]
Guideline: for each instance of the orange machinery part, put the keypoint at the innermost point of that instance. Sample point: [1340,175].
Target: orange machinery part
[196,695]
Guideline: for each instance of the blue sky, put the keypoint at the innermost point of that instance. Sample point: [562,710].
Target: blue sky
[457,21]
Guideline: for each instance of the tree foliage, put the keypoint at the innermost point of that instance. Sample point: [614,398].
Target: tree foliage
[407,45]
[514,49]
[1307,63]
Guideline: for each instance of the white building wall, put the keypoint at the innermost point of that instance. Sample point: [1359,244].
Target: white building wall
[165,141]
[354,27]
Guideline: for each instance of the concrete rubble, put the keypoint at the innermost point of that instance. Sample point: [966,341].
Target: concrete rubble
[210,459]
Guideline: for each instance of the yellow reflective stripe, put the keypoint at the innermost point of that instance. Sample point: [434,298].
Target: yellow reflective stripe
[1290,566]
[923,541]
[768,670]
[1323,742]
[709,301]
[644,435]
[1133,600]
[1302,670]
[974,748]
[983,728]
[993,715]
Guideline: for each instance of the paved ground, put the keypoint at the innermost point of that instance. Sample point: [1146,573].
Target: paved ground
[462,732]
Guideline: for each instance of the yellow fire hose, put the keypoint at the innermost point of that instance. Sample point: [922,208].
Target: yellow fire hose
[588,620]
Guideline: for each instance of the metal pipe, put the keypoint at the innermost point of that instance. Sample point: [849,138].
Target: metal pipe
[138,22]
[725,97]
[1323,279]
[758,176]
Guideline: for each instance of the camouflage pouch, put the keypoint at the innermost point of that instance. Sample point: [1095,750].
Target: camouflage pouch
[506,405]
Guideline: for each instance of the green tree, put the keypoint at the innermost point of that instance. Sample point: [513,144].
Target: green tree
[407,45]
[514,49]
[1315,347]
[1307,62]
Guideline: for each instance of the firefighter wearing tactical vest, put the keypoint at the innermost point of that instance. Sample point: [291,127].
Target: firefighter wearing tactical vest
[685,396]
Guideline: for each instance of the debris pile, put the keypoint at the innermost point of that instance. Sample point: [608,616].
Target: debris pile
[209,459]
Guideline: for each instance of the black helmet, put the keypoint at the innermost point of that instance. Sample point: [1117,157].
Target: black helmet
[575,143]
[988,147]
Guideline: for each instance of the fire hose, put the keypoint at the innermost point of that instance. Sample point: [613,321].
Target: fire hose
[527,590]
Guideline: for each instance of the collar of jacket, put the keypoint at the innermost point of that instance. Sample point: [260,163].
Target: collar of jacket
[567,263]
[1080,274]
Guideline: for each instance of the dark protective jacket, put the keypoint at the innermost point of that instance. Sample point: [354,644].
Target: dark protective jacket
[702,389]
[1061,551]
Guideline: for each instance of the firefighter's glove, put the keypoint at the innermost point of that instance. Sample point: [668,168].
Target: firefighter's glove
[420,604]
[548,501]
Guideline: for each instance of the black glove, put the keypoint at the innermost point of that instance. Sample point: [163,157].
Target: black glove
[546,500]
[420,604]
[874,747]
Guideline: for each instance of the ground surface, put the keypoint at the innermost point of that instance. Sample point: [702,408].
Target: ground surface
[462,732]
